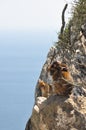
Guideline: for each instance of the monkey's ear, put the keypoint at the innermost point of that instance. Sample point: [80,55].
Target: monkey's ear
[41,82]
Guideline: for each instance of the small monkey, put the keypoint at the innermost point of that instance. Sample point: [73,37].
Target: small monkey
[45,88]
[62,79]
[59,70]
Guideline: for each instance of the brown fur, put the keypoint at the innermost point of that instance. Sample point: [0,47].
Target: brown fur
[62,81]
[62,78]
[45,88]
[58,70]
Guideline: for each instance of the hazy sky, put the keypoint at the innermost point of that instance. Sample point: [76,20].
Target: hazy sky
[31,14]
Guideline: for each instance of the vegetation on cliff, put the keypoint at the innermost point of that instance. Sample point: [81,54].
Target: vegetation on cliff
[78,18]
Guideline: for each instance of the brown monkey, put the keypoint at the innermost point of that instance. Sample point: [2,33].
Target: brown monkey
[59,70]
[62,79]
[45,88]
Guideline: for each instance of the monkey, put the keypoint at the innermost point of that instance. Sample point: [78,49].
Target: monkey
[54,70]
[46,89]
[56,89]
[62,79]
[59,70]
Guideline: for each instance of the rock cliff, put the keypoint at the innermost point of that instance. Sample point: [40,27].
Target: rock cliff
[64,109]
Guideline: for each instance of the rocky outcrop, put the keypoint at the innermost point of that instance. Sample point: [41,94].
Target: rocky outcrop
[62,112]
[59,111]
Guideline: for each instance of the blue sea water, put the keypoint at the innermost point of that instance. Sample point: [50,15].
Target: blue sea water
[22,55]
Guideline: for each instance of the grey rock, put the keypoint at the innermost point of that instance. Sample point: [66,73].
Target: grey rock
[60,113]
[83,29]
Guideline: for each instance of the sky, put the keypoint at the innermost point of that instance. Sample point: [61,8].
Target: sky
[32,14]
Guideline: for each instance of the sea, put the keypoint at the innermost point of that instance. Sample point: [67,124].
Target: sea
[22,55]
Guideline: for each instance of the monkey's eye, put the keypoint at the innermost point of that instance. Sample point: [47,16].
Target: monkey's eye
[64,69]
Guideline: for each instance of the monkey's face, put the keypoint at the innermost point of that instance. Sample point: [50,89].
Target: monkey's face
[57,70]
[55,66]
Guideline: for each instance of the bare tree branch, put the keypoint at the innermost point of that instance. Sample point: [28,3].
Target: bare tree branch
[63,18]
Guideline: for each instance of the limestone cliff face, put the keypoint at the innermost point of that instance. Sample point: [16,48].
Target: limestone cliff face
[58,113]
[63,112]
